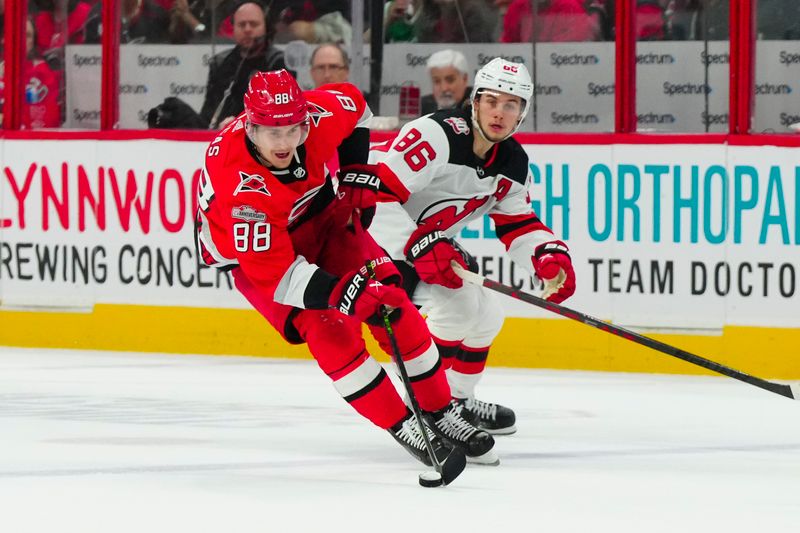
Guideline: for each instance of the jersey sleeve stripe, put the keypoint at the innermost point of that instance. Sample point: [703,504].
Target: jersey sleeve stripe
[509,228]
[293,286]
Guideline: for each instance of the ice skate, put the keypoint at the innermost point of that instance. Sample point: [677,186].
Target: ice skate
[407,433]
[493,418]
[450,424]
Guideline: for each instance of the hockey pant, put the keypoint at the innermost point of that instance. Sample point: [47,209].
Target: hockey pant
[336,342]
[464,322]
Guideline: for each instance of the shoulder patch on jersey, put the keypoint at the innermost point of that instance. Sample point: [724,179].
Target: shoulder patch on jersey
[251,183]
[452,122]
[317,113]
[248,213]
[458,124]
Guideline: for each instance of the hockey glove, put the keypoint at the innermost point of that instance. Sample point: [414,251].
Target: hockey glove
[553,265]
[386,272]
[469,259]
[358,192]
[357,295]
[430,251]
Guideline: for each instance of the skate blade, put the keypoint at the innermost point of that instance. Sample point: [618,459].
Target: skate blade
[510,430]
[487,459]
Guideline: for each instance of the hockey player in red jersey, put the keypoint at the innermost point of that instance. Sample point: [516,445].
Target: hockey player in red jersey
[447,169]
[268,211]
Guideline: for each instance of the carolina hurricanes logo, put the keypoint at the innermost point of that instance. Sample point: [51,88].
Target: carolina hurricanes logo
[251,183]
[458,124]
[317,113]
[35,91]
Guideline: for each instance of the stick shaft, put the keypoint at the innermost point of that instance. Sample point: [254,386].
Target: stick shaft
[777,388]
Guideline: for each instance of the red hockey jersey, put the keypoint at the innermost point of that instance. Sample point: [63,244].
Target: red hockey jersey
[246,211]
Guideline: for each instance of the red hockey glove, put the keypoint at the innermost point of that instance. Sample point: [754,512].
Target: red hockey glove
[358,192]
[554,267]
[431,253]
[386,272]
[357,295]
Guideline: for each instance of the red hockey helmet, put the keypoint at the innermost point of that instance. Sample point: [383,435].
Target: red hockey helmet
[274,99]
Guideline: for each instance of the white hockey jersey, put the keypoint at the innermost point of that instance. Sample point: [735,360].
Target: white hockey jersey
[431,168]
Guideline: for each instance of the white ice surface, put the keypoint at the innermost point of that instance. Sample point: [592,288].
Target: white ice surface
[117,443]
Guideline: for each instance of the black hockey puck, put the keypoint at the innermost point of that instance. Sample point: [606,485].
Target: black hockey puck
[431,479]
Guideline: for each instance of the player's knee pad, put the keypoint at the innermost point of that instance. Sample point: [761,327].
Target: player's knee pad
[489,321]
[333,338]
[454,313]
[410,332]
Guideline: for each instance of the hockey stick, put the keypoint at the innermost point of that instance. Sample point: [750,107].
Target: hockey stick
[789,391]
[455,462]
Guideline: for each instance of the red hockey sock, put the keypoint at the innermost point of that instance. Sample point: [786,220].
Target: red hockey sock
[447,351]
[420,355]
[335,342]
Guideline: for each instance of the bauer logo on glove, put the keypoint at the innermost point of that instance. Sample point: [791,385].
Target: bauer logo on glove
[361,180]
[358,193]
[431,251]
[423,244]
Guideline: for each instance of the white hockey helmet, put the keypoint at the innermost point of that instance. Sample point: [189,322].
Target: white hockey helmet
[500,75]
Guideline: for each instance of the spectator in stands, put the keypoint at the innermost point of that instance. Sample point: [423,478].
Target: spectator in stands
[398,21]
[143,21]
[329,64]
[449,74]
[319,21]
[188,21]
[56,16]
[552,21]
[465,21]
[40,105]
[229,72]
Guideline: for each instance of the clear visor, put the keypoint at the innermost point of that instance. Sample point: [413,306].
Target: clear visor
[278,138]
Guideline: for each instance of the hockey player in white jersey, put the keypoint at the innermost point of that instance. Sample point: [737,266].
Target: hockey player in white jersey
[444,170]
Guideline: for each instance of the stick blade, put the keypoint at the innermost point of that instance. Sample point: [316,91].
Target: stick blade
[453,465]
[795,388]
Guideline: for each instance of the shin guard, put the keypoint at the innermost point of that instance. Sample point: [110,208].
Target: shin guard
[420,355]
[335,342]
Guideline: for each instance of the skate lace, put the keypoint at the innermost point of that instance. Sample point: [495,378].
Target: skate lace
[484,410]
[409,432]
[454,425]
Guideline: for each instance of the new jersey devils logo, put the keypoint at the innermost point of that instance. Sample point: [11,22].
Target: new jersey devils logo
[251,183]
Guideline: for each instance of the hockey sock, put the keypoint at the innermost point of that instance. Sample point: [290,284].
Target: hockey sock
[420,355]
[447,351]
[466,371]
[335,342]
[365,385]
